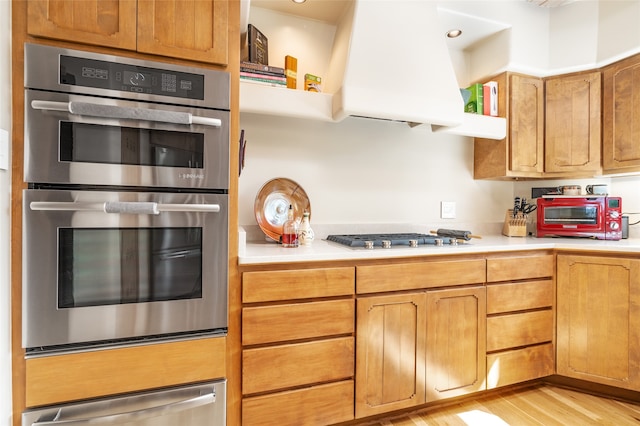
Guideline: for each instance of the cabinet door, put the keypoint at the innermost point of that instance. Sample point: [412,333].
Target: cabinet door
[572,123]
[194,30]
[390,347]
[456,342]
[110,23]
[598,328]
[621,122]
[526,124]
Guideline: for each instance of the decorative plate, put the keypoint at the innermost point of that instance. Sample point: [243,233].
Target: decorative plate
[272,203]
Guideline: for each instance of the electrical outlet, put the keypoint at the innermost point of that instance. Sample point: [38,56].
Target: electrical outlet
[447,209]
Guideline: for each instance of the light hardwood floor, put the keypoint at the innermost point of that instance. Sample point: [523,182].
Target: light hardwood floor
[541,404]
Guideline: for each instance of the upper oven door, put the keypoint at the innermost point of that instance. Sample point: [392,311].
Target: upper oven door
[76,139]
[101,266]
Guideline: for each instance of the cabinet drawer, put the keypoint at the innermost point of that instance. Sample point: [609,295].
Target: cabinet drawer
[510,331]
[279,367]
[519,365]
[519,296]
[520,268]
[408,276]
[268,324]
[265,286]
[317,405]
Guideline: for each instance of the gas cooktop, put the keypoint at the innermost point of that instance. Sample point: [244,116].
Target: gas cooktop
[371,241]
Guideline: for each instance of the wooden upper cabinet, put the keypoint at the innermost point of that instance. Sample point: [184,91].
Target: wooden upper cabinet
[572,123]
[195,30]
[621,122]
[526,124]
[521,153]
[110,23]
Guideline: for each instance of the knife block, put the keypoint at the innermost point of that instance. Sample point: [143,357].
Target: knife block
[514,226]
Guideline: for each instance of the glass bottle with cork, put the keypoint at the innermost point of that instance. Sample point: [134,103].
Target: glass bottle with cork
[290,230]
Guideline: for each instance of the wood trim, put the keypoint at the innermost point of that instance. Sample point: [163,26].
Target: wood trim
[71,377]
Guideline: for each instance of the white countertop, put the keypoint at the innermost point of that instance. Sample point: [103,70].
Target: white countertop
[256,253]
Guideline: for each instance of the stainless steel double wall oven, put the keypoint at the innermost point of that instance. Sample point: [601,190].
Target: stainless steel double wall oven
[126,213]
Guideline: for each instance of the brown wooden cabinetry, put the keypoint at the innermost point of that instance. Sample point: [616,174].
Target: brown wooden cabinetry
[195,30]
[521,153]
[572,123]
[298,346]
[598,325]
[520,319]
[390,347]
[553,128]
[621,122]
[419,346]
[455,342]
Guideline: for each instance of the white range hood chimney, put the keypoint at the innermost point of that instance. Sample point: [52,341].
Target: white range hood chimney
[396,64]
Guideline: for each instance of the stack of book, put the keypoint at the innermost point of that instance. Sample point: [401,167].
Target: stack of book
[482,99]
[263,74]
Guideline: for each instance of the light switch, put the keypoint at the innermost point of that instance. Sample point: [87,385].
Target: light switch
[448,210]
[4,150]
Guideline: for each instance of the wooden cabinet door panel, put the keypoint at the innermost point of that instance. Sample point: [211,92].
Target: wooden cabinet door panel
[519,296]
[519,365]
[272,286]
[270,324]
[572,123]
[193,30]
[390,347]
[110,23]
[456,342]
[621,123]
[411,276]
[526,124]
[521,329]
[285,366]
[520,267]
[598,326]
[323,405]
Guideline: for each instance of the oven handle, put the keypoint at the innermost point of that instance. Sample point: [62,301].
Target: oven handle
[114,111]
[187,404]
[121,207]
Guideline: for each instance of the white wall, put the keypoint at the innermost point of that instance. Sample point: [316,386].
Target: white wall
[363,171]
[5,186]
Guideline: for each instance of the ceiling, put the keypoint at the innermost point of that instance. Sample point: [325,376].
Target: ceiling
[474,28]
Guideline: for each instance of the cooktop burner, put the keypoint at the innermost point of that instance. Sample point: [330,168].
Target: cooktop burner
[390,240]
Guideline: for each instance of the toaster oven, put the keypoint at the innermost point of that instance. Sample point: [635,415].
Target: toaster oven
[596,217]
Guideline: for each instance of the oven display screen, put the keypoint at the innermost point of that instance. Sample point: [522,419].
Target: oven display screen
[130,78]
[110,266]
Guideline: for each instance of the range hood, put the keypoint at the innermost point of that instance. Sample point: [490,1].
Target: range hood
[395,64]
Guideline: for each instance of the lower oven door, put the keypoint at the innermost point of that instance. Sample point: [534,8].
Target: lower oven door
[104,266]
[201,405]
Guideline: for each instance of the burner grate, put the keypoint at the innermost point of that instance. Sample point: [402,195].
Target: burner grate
[397,239]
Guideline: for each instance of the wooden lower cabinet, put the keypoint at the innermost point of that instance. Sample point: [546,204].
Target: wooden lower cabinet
[456,334]
[598,325]
[520,318]
[419,347]
[316,405]
[390,348]
[298,347]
